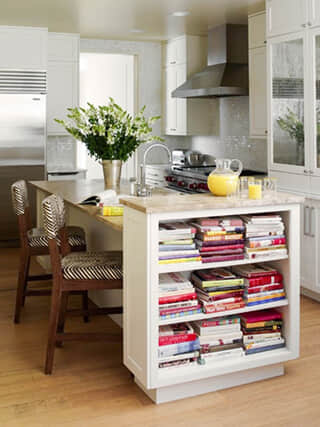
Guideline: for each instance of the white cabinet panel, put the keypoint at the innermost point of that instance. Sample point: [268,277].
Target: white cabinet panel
[285,16]
[62,93]
[291,181]
[314,13]
[23,48]
[257,30]
[308,247]
[176,51]
[63,47]
[171,103]
[181,77]
[258,91]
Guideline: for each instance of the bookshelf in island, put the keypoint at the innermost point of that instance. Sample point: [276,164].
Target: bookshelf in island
[248,272]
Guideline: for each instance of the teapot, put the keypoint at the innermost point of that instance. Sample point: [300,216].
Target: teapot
[223,180]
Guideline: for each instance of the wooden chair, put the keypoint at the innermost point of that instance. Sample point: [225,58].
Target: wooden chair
[75,272]
[34,242]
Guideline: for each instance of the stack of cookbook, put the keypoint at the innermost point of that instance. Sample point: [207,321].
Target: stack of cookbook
[176,243]
[262,331]
[177,296]
[219,239]
[218,289]
[178,345]
[264,284]
[219,338]
[264,236]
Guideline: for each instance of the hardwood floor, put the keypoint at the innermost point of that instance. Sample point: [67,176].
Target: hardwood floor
[91,387]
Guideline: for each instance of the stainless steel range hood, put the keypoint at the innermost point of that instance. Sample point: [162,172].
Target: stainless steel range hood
[227,71]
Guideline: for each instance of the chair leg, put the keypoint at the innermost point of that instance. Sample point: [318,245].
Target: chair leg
[53,324]
[85,305]
[62,316]
[22,284]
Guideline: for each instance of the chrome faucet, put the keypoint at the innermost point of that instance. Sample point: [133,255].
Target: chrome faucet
[142,190]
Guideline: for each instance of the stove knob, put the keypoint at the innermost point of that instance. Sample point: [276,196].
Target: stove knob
[200,185]
[181,184]
[167,178]
[193,186]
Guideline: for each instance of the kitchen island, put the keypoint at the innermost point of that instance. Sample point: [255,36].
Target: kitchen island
[140,231]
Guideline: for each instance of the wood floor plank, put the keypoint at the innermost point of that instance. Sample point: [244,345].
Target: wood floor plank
[91,387]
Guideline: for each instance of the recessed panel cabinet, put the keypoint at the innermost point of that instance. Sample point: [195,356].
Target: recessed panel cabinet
[183,57]
[257,75]
[286,16]
[23,48]
[63,79]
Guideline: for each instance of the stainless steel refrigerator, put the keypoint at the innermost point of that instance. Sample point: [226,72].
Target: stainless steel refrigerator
[22,141]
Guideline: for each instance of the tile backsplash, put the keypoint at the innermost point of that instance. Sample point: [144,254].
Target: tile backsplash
[61,153]
[231,138]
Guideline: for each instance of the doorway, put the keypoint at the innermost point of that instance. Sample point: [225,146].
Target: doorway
[104,75]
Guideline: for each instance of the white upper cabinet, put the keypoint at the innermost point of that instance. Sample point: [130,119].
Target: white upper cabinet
[257,75]
[176,51]
[23,48]
[286,16]
[183,57]
[257,30]
[63,79]
[314,13]
[63,47]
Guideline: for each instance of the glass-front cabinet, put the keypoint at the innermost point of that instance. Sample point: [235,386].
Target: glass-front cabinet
[287,107]
[314,48]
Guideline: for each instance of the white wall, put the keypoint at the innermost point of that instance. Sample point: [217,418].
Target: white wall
[102,76]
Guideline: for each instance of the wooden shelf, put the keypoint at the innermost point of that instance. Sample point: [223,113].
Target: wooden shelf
[170,376]
[187,266]
[203,316]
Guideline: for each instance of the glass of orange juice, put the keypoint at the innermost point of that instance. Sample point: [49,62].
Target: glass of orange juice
[255,189]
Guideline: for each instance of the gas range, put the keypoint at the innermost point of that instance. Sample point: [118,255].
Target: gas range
[193,179]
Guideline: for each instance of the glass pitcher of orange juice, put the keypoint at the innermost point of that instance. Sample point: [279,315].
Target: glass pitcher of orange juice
[220,178]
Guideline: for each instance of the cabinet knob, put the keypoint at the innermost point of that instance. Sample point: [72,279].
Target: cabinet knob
[266,132]
[305,171]
[265,42]
[311,172]
[309,23]
[303,25]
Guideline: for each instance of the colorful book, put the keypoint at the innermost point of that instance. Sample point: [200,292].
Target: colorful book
[262,243]
[221,258]
[261,349]
[261,315]
[174,261]
[230,320]
[178,310]
[217,307]
[180,314]
[176,339]
[201,243]
[184,347]
[177,298]
[263,280]
[227,237]
[175,329]
[255,270]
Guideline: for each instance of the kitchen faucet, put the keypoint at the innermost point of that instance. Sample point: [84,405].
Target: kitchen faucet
[141,188]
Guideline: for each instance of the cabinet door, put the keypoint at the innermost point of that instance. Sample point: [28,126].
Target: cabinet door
[23,48]
[181,77]
[176,51]
[314,102]
[62,93]
[314,13]
[257,30]
[63,47]
[287,119]
[171,103]
[258,91]
[285,16]
[308,246]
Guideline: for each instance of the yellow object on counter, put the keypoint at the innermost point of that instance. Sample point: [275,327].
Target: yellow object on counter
[112,210]
[254,191]
[223,185]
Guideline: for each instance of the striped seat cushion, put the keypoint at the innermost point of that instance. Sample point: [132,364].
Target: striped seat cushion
[92,266]
[37,237]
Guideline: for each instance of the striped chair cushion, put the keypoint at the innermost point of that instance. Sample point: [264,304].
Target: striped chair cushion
[92,266]
[37,237]
[19,196]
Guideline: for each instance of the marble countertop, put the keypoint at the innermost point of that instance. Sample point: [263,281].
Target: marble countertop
[180,202]
[162,200]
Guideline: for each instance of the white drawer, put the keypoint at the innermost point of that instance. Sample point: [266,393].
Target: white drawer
[292,182]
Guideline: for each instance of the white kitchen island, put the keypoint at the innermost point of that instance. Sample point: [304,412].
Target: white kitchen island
[138,236]
[141,318]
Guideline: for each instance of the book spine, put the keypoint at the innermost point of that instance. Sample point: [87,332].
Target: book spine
[178,310]
[177,298]
[180,314]
[264,280]
[230,321]
[181,304]
[226,237]
[266,243]
[176,339]
[224,307]
[175,261]
[264,288]
[224,296]
[219,258]
[184,347]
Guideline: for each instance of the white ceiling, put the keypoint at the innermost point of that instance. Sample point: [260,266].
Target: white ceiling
[113,19]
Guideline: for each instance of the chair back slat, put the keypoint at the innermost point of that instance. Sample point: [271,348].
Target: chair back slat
[19,195]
